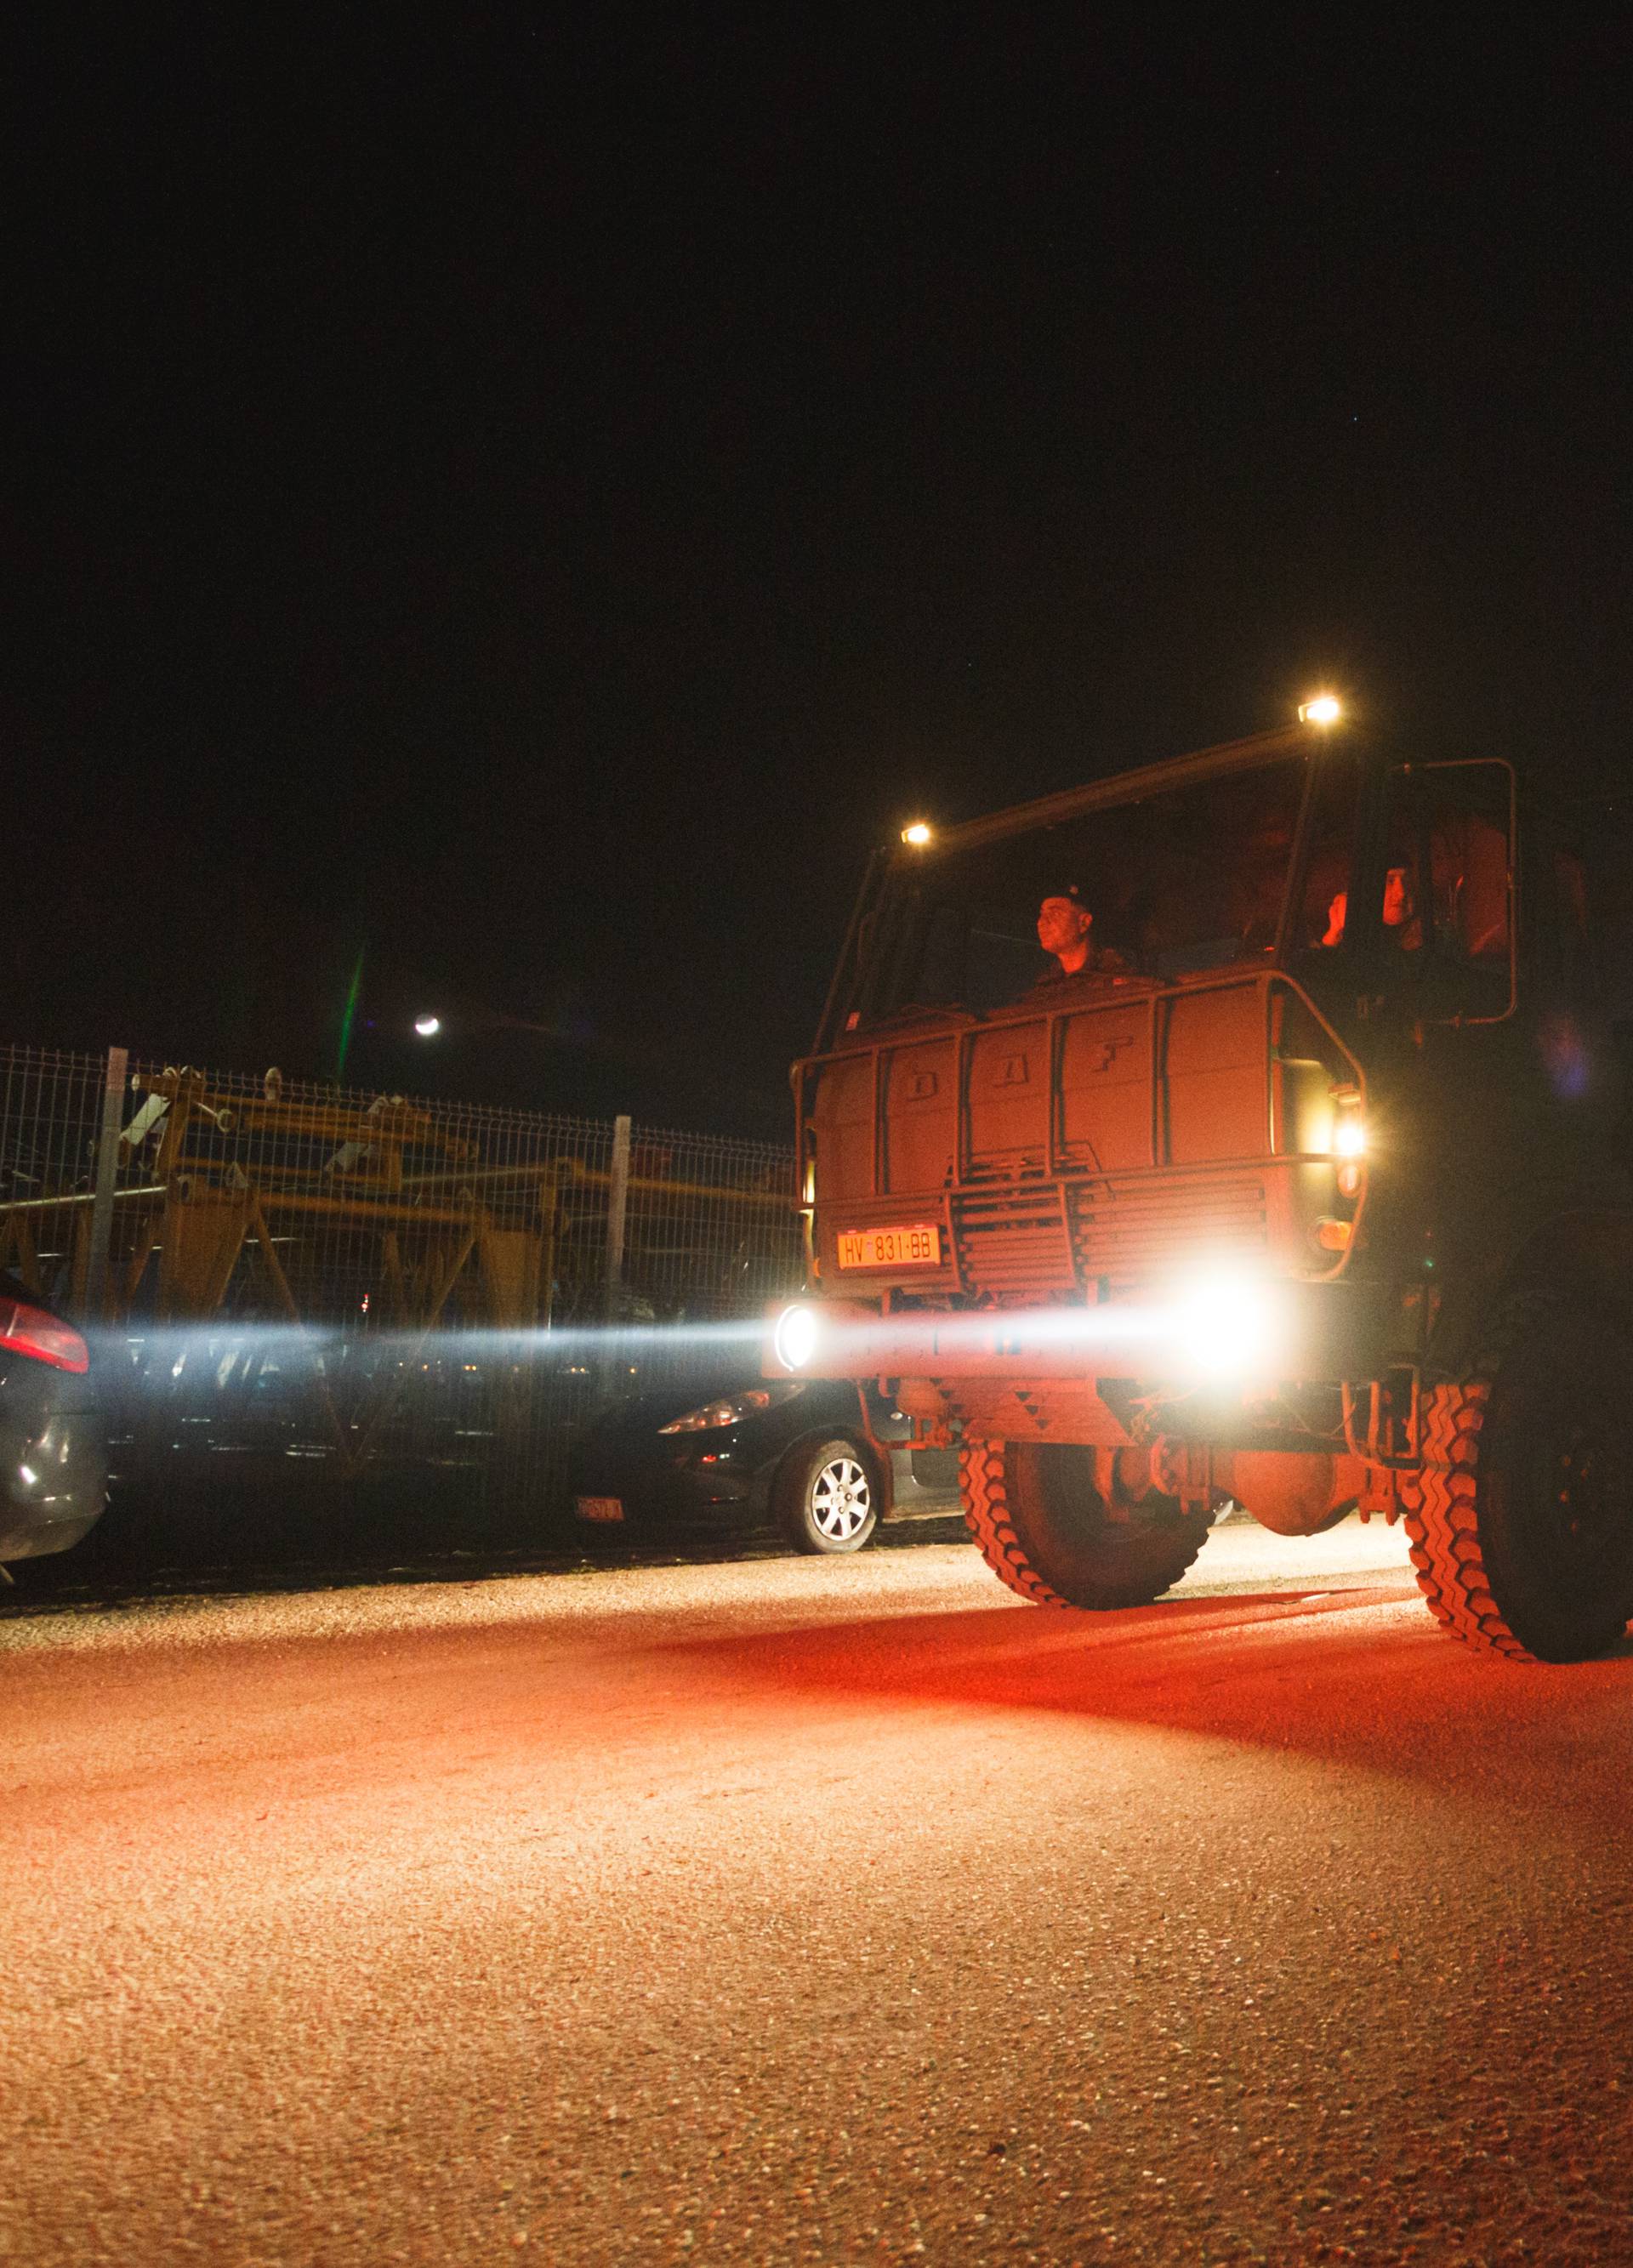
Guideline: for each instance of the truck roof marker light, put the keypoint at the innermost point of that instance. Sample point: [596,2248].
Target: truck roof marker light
[1320,709]
[793,1340]
[919,835]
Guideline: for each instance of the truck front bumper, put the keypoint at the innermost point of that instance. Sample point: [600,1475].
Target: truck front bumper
[1227,1331]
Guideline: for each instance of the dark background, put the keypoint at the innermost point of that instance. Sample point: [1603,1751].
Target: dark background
[530,503]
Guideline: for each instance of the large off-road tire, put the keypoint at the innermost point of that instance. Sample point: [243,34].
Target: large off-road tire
[826,1498]
[1044,1529]
[1521,1517]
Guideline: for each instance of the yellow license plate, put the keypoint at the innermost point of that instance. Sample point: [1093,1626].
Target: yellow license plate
[918,1246]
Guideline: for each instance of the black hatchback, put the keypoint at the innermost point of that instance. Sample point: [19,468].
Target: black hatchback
[813,1456]
[53,1445]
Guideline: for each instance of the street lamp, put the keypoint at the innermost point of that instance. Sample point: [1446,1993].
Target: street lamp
[430,1026]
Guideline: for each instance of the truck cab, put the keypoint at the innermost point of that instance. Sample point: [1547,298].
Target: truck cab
[1278,1192]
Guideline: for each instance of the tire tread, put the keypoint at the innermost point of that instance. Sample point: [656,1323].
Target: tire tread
[984,1489]
[1440,1500]
[985,1494]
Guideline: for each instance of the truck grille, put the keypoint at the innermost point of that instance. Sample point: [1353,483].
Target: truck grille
[1127,1235]
[1012,1241]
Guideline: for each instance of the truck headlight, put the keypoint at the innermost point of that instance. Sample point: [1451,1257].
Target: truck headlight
[794,1340]
[1226,1326]
[1349,1148]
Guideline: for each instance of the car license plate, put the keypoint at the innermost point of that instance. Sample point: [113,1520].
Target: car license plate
[918,1246]
[600,1508]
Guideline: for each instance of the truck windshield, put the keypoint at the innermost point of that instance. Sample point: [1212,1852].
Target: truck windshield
[1177,883]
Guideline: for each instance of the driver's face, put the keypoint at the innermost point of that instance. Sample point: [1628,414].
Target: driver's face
[1062,924]
[1398,906]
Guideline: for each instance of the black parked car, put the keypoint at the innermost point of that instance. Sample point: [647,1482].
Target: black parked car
[53,1447]
[795,1452]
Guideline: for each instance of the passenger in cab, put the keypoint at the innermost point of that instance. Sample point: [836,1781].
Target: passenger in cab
[1401,916]
[1064,927]
[1405,930]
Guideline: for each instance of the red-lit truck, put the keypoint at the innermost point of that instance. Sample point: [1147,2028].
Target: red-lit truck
[1308,1190]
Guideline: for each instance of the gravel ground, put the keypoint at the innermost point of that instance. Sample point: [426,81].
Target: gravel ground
[811,1911]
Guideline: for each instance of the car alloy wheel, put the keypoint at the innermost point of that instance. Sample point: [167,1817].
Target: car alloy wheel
[841,1499]
[826,1499]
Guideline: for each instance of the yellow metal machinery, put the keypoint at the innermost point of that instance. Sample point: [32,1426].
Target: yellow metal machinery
[324,1198]
[231,1204]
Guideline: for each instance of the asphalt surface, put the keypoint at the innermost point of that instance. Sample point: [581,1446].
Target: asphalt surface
[801,1912]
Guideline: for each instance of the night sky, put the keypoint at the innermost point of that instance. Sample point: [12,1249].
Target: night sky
[530,504]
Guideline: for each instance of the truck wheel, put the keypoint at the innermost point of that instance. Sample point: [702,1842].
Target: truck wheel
[1521,1517]
[1045,1530]
[824,1498]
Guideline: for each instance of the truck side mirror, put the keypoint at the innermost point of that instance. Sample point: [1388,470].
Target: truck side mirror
[1471,833]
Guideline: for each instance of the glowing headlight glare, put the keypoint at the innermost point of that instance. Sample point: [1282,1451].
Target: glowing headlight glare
[793,1340]
[1224,1329]
[1349,1136]
[1323,709]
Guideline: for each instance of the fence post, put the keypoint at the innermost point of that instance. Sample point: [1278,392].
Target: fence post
[107,1179]
[618,1208]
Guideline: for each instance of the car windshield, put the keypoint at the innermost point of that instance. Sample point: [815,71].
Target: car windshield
[1177,883]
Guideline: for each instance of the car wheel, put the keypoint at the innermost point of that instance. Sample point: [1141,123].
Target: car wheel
[825,1499]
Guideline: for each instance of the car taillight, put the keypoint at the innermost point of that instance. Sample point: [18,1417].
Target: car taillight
[31,1331]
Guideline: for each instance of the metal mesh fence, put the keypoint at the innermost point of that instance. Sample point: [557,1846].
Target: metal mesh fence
[380,1290]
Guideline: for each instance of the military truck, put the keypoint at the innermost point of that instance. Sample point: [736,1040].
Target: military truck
[1307,1189]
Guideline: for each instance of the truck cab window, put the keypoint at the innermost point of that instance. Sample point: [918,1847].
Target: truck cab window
[1321,917]
[1174,884]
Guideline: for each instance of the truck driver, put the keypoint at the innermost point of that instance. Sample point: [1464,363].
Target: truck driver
[1064,924]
